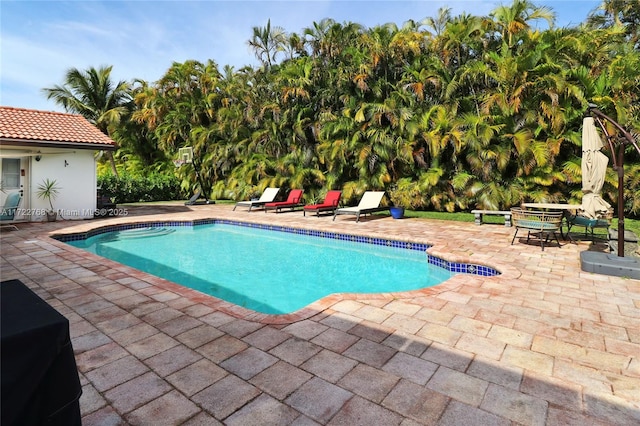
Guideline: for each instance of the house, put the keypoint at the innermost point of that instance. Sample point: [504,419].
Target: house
[39,145]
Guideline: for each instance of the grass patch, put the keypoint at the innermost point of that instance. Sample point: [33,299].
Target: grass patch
[632,225]
[456,217]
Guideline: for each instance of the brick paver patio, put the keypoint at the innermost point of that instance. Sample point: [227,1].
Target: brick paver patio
[542,344]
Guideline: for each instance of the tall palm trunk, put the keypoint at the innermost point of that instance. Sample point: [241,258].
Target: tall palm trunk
[112,161]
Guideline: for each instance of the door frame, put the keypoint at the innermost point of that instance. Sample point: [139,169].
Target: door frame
[22,214]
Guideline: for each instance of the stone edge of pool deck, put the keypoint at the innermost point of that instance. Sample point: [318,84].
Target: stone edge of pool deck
[543,343]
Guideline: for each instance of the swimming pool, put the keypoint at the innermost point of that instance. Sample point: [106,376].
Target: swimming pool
[264,269]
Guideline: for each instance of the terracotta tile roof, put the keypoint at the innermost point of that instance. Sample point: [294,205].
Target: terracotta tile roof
[28,125]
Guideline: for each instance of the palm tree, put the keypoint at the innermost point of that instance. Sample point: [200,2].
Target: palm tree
[294,46]
[514,19]
[267,42]
[464,111]
[623,13]
[461,40]
[181,110]
[94,95]
[439,23]
[316,36]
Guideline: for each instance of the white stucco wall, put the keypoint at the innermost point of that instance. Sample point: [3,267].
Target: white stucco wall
[75,173]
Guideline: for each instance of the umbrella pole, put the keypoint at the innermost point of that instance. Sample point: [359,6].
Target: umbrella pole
[620,200]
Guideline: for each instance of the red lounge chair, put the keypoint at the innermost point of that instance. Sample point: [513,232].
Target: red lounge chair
[330,204]
[293,200]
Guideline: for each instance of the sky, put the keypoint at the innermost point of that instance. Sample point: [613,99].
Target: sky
[41,40]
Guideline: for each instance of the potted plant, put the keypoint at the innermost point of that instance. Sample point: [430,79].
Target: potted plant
[49,190]
[403,194]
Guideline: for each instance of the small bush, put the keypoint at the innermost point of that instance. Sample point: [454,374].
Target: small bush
[133,189]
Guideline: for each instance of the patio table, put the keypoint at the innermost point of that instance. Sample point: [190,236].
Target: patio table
[552,206]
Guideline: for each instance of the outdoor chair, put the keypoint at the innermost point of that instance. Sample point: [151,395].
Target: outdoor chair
[589,224]
[267,196]
[330,204]
[369,203]
[293,200]
[8,212]
[542,225]
[104,205]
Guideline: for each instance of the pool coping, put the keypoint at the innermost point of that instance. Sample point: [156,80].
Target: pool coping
[452,284]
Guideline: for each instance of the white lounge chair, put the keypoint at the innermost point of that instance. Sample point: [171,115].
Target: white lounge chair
[268,196]
[369,203]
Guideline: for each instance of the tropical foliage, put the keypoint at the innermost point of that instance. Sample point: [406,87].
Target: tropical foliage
[458,111]
[128,188]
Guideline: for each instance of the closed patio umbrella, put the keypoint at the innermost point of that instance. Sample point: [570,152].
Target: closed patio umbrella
[594,168]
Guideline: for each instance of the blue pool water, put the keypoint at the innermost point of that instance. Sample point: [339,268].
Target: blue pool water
[267,271]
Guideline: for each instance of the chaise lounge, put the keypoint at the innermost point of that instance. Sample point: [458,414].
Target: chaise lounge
[589,224]
[330,204]
[293,200]
[369,203]
[267,196]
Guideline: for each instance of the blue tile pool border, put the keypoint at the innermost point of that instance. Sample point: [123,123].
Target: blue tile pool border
[456,267]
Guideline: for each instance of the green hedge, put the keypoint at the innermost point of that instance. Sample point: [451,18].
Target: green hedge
[132,189]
